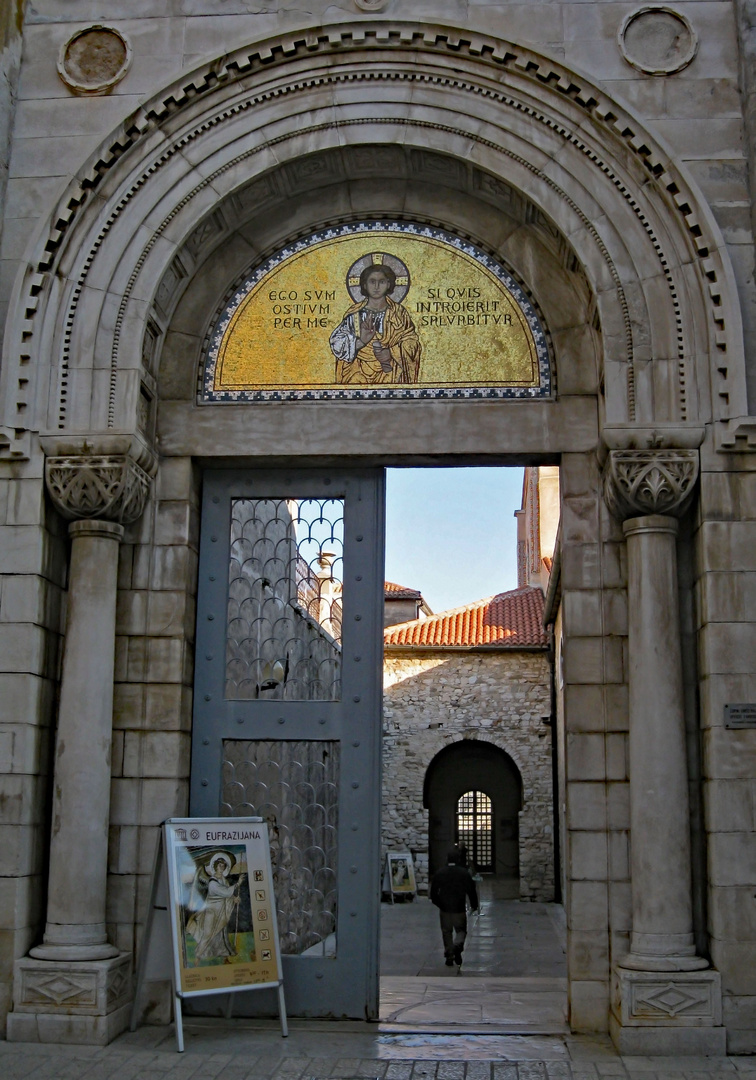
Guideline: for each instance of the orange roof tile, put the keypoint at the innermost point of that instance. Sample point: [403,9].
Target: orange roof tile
[399,592]
[508,620]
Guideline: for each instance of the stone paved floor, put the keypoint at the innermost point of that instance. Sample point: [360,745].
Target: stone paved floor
[415,1049]
[512,981]
[218,1050]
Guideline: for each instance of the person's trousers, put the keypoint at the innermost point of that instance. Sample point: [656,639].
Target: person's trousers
[453,931]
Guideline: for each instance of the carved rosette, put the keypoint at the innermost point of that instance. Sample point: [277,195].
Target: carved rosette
[642,482]
[111,487]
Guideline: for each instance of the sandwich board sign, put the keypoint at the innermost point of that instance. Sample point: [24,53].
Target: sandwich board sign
[214,878]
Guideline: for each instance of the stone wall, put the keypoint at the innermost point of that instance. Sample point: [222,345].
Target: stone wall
[432,701]
[11,21]
[152,709]
[725,593]
[33,558]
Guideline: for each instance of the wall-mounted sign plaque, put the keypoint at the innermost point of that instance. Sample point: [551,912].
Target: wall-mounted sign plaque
[740,716]
[377,310]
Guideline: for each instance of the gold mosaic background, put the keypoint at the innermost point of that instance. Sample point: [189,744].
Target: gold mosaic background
[471,330]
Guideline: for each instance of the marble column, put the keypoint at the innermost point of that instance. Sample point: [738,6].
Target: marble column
[75,986]
[664,1000]
[81,797]
[662,936]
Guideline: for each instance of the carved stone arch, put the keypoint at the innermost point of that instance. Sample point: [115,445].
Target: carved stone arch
[333,185]
[645,238]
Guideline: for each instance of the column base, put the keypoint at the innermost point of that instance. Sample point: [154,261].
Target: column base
[85,1001]
[667,1013]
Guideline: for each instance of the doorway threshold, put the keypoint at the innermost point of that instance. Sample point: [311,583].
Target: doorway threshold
[488,1005]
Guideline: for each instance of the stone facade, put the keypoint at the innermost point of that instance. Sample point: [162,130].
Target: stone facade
[617,190]
[432,702]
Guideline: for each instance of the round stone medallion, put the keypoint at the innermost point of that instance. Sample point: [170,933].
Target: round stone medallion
[657,40]
[371,5]
[94,60]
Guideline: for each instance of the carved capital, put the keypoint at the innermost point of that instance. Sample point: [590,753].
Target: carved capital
[113,487]
[642,482]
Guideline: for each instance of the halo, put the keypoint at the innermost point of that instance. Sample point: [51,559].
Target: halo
[378,258]
[224,855]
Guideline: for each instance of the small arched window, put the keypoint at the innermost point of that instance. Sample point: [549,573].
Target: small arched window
[474,828]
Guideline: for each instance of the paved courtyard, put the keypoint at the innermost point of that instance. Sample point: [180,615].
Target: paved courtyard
[500,1018]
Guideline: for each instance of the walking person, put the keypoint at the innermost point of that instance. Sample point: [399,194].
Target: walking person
[450,889]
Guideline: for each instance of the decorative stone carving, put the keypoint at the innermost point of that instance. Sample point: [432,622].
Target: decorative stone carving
[70,1002]
[657,40]
[665,1013]
[94,60]
[113,487]
[371,5]
[642,482]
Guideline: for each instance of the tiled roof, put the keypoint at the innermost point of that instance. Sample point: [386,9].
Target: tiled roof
[399,592]
[508,620]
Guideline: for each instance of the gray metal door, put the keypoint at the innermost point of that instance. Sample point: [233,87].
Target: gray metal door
[287,709]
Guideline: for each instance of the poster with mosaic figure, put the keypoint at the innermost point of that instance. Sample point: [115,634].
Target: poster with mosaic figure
[222,904]
[377,310]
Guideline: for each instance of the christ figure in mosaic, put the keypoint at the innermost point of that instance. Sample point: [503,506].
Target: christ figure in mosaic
[376,342]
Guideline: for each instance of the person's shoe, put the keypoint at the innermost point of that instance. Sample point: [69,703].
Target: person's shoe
[449,962]
[457,957]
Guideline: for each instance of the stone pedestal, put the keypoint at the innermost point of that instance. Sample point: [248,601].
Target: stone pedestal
[70,1002]
[668,1013]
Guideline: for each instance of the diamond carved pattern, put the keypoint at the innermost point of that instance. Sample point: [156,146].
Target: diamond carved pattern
[60,989]
[671,1000]
[118,984]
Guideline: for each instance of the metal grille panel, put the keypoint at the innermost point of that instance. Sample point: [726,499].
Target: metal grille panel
[283,638]
[474,822]
[294,786]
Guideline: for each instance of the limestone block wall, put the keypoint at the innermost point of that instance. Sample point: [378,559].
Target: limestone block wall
[153,689]
[697,111]
[432,701]
[725,602]
[11,22]
[33,561]
[593,725]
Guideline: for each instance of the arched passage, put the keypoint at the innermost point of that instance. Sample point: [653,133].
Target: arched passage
[107,322]
[474,766]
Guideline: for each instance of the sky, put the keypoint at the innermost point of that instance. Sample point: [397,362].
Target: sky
[451,533]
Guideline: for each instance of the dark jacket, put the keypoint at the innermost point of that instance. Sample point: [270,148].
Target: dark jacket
[450,887]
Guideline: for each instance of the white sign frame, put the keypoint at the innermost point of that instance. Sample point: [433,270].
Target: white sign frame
[215,876]
[396,861]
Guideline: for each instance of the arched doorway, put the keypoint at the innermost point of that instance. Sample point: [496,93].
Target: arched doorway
[473,795]
[617,246]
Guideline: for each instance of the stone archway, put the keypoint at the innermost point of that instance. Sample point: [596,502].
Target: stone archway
[473,765]
[620,253]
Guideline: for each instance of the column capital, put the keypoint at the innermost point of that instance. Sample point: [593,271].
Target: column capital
[102,477]
[645,483]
